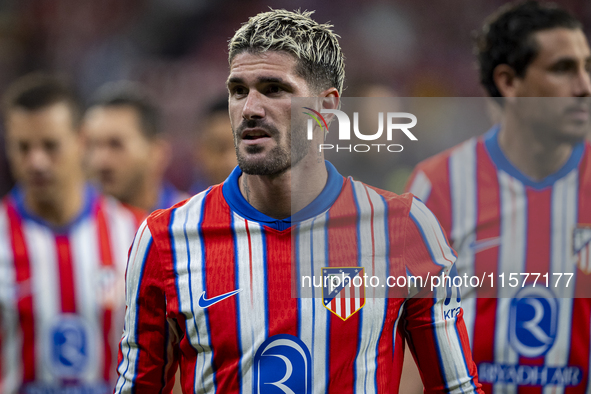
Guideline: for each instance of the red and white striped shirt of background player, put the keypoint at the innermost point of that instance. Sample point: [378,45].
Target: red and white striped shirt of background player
[500,221]
[216,243]
[71,278]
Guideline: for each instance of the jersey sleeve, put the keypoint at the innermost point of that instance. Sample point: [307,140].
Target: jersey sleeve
[147,357]
[433,322]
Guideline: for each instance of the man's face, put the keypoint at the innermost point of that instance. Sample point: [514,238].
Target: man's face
[44,150]
[216,153]
[119,155]
[560,74]
[261,87]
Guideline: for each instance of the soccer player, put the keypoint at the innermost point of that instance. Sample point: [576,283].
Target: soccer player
[127,153]
[214,154]
[518,200]
[63,250]
[209,282]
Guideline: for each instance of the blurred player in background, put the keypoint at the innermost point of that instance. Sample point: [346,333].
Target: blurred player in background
[518,200]
[209,282]
[127,153]
[214,153]
[63,249]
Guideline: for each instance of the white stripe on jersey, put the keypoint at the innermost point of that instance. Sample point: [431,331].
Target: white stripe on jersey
[511,260]
[46,291]
[463,184]
[421,186]
[432,234]
[564,218]
[252,324]
[121,227]
[85,266]
[375,303]
[135,270]
[11,371]
[190,275]
[315,336]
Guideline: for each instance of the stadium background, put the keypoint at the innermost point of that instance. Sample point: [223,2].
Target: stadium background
[178,49]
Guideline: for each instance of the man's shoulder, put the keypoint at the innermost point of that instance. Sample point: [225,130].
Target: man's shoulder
[433,166]
[183,213]
[395,203]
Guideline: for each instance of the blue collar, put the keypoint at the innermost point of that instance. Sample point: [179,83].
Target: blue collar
[90,200]
[323,202]
[491,143]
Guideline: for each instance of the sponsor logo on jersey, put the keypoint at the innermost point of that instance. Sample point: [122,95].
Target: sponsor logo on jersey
[343,290]
[70,346]
[533,321]
[283,364]
[582,247]
[529,375]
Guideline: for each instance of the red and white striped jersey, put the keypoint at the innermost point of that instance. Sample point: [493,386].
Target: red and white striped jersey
[61,291]
[537,338]
[209,287]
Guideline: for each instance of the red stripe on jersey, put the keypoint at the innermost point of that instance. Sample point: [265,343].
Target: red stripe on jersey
[282,308]
[386,375]
[249,260]
[24,292]
[66,274]
[220,278]
[539,211]
[580,328]
[342,251]
[488,227]
[106,260]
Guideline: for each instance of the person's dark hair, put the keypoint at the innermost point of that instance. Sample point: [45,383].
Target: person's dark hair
[507,37]
[134,95]
[37,91]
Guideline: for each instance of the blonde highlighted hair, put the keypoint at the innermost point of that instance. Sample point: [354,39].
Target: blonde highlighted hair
[315,46]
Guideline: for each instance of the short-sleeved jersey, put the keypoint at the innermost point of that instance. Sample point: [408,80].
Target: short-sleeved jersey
[536,339]
[209,286]
[61,292]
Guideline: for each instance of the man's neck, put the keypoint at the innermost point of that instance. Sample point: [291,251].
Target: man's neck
[147,195]
[63,209]
[530,154]
[282,195]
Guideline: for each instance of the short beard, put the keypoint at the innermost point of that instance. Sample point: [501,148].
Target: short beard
[278,159]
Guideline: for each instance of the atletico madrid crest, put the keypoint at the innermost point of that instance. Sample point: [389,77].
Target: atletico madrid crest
[582,247]
[343,290]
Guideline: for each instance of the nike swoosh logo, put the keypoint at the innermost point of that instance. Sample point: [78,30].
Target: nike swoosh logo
[484,244]
[206,303]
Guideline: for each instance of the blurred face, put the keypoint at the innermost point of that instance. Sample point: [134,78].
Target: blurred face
[216,148]
[44,151]
[119,156]
[260,90]
[560,74]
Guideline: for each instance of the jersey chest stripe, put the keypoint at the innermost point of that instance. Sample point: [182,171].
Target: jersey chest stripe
[66,274]
[482,313]
[189,269]
[106,260]
[343,250]
[220,278]
[25,303]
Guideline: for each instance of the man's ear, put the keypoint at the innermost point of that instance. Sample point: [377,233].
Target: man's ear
[506,80]
[330,98]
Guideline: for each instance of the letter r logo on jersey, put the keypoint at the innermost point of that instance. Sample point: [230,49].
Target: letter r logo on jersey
[282,364]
